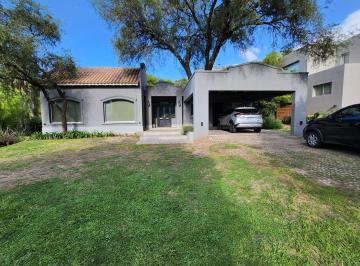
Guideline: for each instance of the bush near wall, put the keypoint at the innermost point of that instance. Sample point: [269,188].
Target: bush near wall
[271,122]
[187,128]
[286,120]
[9,137]
[73,134]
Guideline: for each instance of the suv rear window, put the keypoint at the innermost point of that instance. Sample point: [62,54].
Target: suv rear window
[247,111]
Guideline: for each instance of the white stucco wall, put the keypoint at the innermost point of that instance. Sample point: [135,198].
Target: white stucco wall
[325,103]
[351,87]
[247,77]
[91,100]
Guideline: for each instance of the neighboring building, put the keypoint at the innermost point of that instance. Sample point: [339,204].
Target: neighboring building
[333,84]
[118,100]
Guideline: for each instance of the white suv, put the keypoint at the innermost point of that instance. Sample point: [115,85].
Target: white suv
[241,117]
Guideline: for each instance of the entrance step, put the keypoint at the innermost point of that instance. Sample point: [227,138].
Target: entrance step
[163,136]
[162,133]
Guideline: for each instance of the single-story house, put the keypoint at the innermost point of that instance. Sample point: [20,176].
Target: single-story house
[118,99]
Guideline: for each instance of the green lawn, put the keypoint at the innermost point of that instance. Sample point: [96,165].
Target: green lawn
[169,205]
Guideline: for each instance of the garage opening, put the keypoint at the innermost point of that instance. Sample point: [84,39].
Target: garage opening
[222,102]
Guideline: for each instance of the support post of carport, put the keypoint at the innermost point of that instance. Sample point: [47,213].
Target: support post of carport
[298,120]
[201,113]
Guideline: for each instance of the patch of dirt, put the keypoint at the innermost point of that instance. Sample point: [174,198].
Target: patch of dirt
[69,164]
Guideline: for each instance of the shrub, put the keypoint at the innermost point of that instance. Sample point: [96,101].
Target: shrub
[187,128]
[73,134]
[286,120]
[271,122]
[9,137]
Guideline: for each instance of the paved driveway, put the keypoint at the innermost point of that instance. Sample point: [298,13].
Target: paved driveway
[332,165]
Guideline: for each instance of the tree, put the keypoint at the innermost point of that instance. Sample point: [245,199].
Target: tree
[195,31]
[274,59]
[27,36]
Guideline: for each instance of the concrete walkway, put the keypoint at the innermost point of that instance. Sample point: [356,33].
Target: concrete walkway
[163,136]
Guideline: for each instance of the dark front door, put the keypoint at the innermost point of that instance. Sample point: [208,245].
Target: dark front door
[165,111]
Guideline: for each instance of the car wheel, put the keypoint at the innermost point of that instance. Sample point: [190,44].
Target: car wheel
[313,139]
[257,130]
[232,128]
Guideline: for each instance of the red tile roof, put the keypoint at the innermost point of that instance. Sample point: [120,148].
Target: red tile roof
[103,76]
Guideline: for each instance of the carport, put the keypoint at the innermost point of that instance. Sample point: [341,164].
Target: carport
[208,91]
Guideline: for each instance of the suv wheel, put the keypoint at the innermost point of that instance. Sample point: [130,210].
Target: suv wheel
[257,130]
[313,139]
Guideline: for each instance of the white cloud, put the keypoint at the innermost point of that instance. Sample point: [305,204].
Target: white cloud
[250,54]
[351,24]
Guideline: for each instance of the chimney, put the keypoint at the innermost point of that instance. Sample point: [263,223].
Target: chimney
[142,66]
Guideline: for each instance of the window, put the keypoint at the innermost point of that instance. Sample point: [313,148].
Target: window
[322,89]
[344,58]
[351,113]
[119,110]
[294,67]
[73,112]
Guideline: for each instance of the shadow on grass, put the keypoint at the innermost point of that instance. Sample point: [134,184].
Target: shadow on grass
[169,208]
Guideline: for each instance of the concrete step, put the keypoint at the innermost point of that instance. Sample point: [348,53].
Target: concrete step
[165,129]
[164,140]
[162,133]
[161,137]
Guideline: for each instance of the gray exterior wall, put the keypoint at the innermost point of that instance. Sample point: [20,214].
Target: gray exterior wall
[326,103]
[344,77]
[351,87]
[247,77]
[165,89]
[92,112]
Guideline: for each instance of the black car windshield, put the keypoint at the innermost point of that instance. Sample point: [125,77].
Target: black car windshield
[249,111]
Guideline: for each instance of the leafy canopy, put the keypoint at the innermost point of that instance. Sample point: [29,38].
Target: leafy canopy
[27,37]
[195,31]
[274,59]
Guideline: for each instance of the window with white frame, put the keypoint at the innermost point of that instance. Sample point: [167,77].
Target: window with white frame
[322,89]
[73,111]
[119,110]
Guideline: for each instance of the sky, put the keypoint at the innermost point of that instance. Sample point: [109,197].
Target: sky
[90,39]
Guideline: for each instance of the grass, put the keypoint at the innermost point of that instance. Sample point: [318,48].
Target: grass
[167,205]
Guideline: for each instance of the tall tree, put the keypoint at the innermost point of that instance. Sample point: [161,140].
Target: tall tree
[27,37]
[195,31]
[274,59]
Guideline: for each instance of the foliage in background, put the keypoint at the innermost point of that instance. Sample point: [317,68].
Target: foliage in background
[19,110]
[152,80]
[267,107]
[194,32]
[9,137]
[181,82]
[286,120]
[270,122]
[187,128]
[28,39]
[73,134]
[273,59]
[316,115]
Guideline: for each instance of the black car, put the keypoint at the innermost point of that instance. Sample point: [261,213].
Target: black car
[341,127]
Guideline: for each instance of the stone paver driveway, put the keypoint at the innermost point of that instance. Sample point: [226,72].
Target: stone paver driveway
[331,165]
